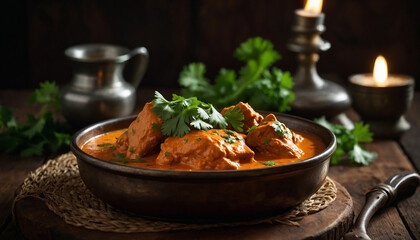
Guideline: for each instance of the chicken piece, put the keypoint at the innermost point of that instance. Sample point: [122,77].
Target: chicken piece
[251,117]
[272,138]
[215,149]
[141,138]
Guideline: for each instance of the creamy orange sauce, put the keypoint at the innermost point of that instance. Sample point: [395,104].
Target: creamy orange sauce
[102,147]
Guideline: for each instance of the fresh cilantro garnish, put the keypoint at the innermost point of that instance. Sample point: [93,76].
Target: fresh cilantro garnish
[131,149]
[186,140]
[166,154]
[267,141]
[120,157]
[280,128]
[269,163]
[198,139]
[255,83]
[41,134]
[234,116]
[251,129]
[156,126]
[229,138]
[216,132]
[348,143]
[181,114]
[227,131]
[134,130]
[107,145]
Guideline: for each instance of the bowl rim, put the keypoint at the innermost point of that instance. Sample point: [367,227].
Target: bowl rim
[202,174]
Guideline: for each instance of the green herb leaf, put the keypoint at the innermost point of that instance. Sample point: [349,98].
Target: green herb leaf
[107,145]
[181,114]
[41,133]
[235,118]
[229,138]
[361,132]
[280,128]
[251,129]
[270,163]
[156,126]
[348,147]
[227,131]
[254,83]
[267,141]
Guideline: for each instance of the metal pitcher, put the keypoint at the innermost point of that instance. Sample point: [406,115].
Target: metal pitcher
[98,90]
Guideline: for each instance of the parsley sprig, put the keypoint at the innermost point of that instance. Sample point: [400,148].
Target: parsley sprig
[262,87]
[181,114]
[41,133]
[348,143]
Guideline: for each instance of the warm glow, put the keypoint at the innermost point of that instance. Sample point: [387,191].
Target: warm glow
[380,70]
[313,6]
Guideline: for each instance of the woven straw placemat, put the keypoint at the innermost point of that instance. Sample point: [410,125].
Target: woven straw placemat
[58,184]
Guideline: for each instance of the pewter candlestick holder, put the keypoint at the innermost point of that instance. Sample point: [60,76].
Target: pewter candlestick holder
[314,96]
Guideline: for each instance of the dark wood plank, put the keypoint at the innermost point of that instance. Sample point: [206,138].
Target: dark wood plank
[359,180]
[410,140]
[11,232]
[410,212]
[14,169]
[37,222]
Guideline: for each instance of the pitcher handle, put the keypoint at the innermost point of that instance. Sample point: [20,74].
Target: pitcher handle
[142,65]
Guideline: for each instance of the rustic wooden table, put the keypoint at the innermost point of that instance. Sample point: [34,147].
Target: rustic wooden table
[399,221]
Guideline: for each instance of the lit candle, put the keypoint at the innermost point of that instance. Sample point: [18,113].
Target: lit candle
[382,99]
[312,8]
[380,77]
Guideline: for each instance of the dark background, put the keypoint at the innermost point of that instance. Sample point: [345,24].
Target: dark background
[35,34]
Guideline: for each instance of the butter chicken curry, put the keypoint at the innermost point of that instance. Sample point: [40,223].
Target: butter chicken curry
[253,141]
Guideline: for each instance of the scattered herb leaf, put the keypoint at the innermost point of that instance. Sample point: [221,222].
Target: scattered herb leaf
[131,149]
[120,157]
[107,145]
[156,126]
[267,141]
[280,128]
[229,138]
[198,139]
[166,154]
[227,131]
[251,129]
[269,163]
[348,147]
[41,133]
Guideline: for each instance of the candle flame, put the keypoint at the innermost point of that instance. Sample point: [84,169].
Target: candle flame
[380,70]
[313,6]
